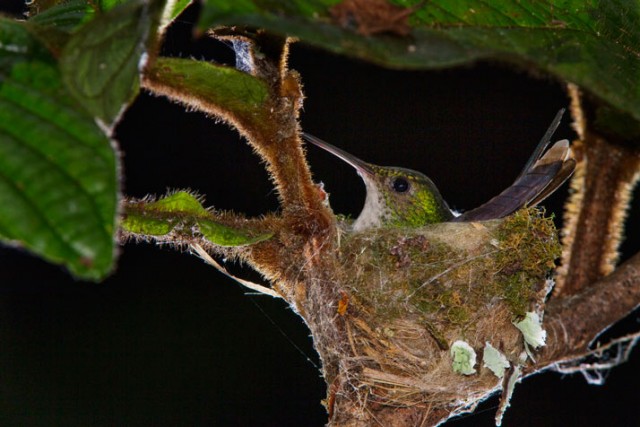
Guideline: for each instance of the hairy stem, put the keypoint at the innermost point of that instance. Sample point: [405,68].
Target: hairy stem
[573,322]
[594,217]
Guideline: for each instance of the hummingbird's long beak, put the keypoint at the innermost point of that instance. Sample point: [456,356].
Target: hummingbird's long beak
[363,168]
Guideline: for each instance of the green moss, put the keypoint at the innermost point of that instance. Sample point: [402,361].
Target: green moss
[518,291]
[451,274]
[528,250]
[458,315]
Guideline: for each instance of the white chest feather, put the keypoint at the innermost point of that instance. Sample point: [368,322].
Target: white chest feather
[372,212]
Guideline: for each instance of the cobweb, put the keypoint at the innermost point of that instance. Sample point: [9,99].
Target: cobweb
[244,55]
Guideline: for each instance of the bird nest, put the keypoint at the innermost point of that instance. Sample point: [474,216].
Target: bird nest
[443,313]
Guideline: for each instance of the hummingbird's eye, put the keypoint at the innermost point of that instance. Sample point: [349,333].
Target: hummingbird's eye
[400,184]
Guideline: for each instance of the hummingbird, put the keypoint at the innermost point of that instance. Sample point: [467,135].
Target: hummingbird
[399,197]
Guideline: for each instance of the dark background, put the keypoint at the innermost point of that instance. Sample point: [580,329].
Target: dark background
[168,341]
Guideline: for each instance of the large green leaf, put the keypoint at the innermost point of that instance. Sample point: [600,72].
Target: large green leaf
[182,213]
[58,181]
[591,43]
[101,63]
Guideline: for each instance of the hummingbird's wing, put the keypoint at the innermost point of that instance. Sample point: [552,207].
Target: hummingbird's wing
[544,142]
[540,177]
[566,170]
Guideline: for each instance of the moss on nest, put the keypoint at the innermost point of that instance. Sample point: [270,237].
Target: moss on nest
[412,293]
[529,250]
[450,275]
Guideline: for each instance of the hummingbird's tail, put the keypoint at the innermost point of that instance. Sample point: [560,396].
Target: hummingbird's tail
[541,176]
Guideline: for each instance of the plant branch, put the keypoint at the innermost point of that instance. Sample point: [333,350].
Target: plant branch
[575,321]
[606,172]
[263,107]
[320,282]
[204,255]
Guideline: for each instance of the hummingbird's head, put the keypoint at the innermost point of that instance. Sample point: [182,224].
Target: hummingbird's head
[395,196]
[408,198]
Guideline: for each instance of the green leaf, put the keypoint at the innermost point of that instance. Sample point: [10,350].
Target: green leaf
[53,26]
[37,6]
[172,9]
[66,16]
[182,211]
[592,44]
[160,217]
[226,236]
[146,226]
[180,202]
[58,181]
[105,5]
[17,44]
[240,93]
[101,63]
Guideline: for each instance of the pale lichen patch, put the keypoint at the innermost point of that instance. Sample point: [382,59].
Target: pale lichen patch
[493,359]
[531,328]
[463,358]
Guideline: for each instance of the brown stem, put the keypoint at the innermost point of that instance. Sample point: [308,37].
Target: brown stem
[594,218]
[270,126]
[574,321]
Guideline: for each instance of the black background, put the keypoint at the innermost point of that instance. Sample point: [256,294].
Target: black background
[168,341]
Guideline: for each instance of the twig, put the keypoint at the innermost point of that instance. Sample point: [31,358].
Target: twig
[572,322]
[199,250]
[592,372]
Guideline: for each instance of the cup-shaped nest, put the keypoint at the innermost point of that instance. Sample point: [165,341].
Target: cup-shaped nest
[445,310]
